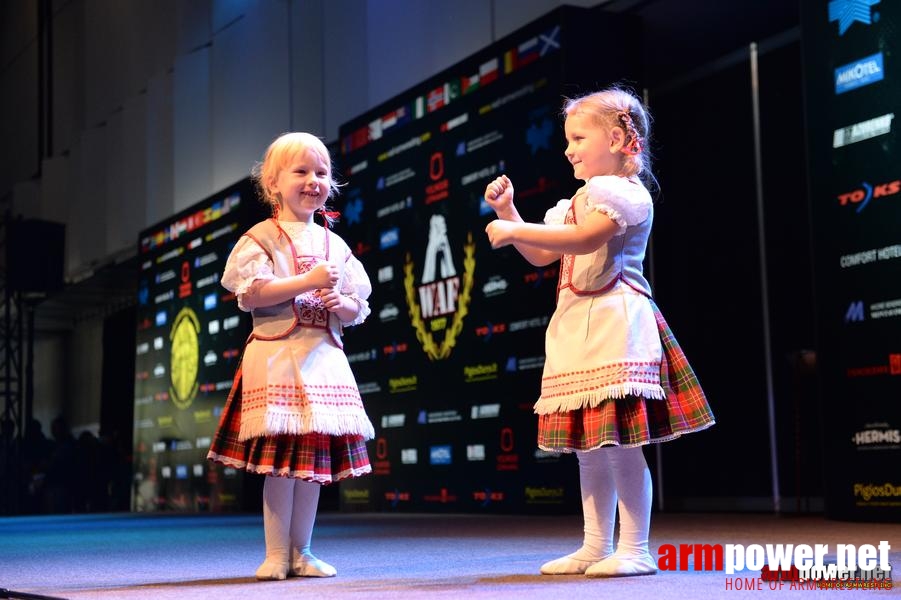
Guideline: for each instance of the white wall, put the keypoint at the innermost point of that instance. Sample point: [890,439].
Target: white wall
[308,91]
[68,76]
[180,97]
[192,176]
[159,104]
[250,88]
[403,36]
[159,171]
[344,75]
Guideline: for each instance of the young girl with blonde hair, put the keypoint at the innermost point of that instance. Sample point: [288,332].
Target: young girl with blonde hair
[614,377]
[295,412]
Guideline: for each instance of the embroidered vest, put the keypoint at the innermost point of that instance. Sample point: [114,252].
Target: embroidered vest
[620,259]
[306,310]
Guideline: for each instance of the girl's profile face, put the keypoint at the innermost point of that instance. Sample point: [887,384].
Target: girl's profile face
[302,185]
[591,149]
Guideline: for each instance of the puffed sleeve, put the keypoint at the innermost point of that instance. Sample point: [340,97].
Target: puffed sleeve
[246,264]
[557,214]
[356,285]
[625,201]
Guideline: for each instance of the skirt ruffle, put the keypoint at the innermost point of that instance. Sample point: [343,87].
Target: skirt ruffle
[634,420]
[318,457]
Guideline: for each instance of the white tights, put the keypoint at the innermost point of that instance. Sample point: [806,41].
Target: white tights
[289,511]
[608,477]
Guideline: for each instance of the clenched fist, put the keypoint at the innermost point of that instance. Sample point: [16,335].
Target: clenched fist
[500,233]
[499,195]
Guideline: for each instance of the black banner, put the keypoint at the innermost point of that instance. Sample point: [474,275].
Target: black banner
[450,361]
[852,98]
[190,335]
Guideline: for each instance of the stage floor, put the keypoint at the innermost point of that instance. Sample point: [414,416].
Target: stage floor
[131,556]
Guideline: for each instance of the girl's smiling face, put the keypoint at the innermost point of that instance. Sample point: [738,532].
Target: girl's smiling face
[303,186]
[592,149]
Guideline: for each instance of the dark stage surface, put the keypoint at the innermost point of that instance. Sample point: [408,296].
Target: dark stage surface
[388,556]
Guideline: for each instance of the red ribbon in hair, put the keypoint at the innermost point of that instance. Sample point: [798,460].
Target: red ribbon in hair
[633,148]
[329,216]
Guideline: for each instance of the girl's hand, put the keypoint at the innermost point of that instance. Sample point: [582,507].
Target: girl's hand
[500,233]
[499,195]
[343,307]
[331,298]
[323,275]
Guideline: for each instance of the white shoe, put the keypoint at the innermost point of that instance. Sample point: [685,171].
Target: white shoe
[272,569]
[568,565]
[625,566]
[310,566]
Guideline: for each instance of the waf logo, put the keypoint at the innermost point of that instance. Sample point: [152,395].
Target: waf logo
[862,196]
[441,295]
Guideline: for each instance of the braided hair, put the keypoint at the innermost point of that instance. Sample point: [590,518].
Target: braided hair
[617,107]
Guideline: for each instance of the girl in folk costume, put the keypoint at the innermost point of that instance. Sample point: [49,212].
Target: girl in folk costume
[614,377]
[295,412]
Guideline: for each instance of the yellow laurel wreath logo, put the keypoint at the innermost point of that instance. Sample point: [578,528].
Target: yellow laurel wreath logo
[433,350]
[185,359]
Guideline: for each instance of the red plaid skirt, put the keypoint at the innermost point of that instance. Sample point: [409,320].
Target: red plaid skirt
[315,457]
[635,420]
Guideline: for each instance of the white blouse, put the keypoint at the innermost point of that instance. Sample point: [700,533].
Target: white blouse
[248,262]
[625,201]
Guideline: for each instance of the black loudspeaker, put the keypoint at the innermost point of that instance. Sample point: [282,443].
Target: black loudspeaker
[35,255]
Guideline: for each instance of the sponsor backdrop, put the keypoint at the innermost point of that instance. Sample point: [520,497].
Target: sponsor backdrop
[190,334]
[851,59]
[450,361]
